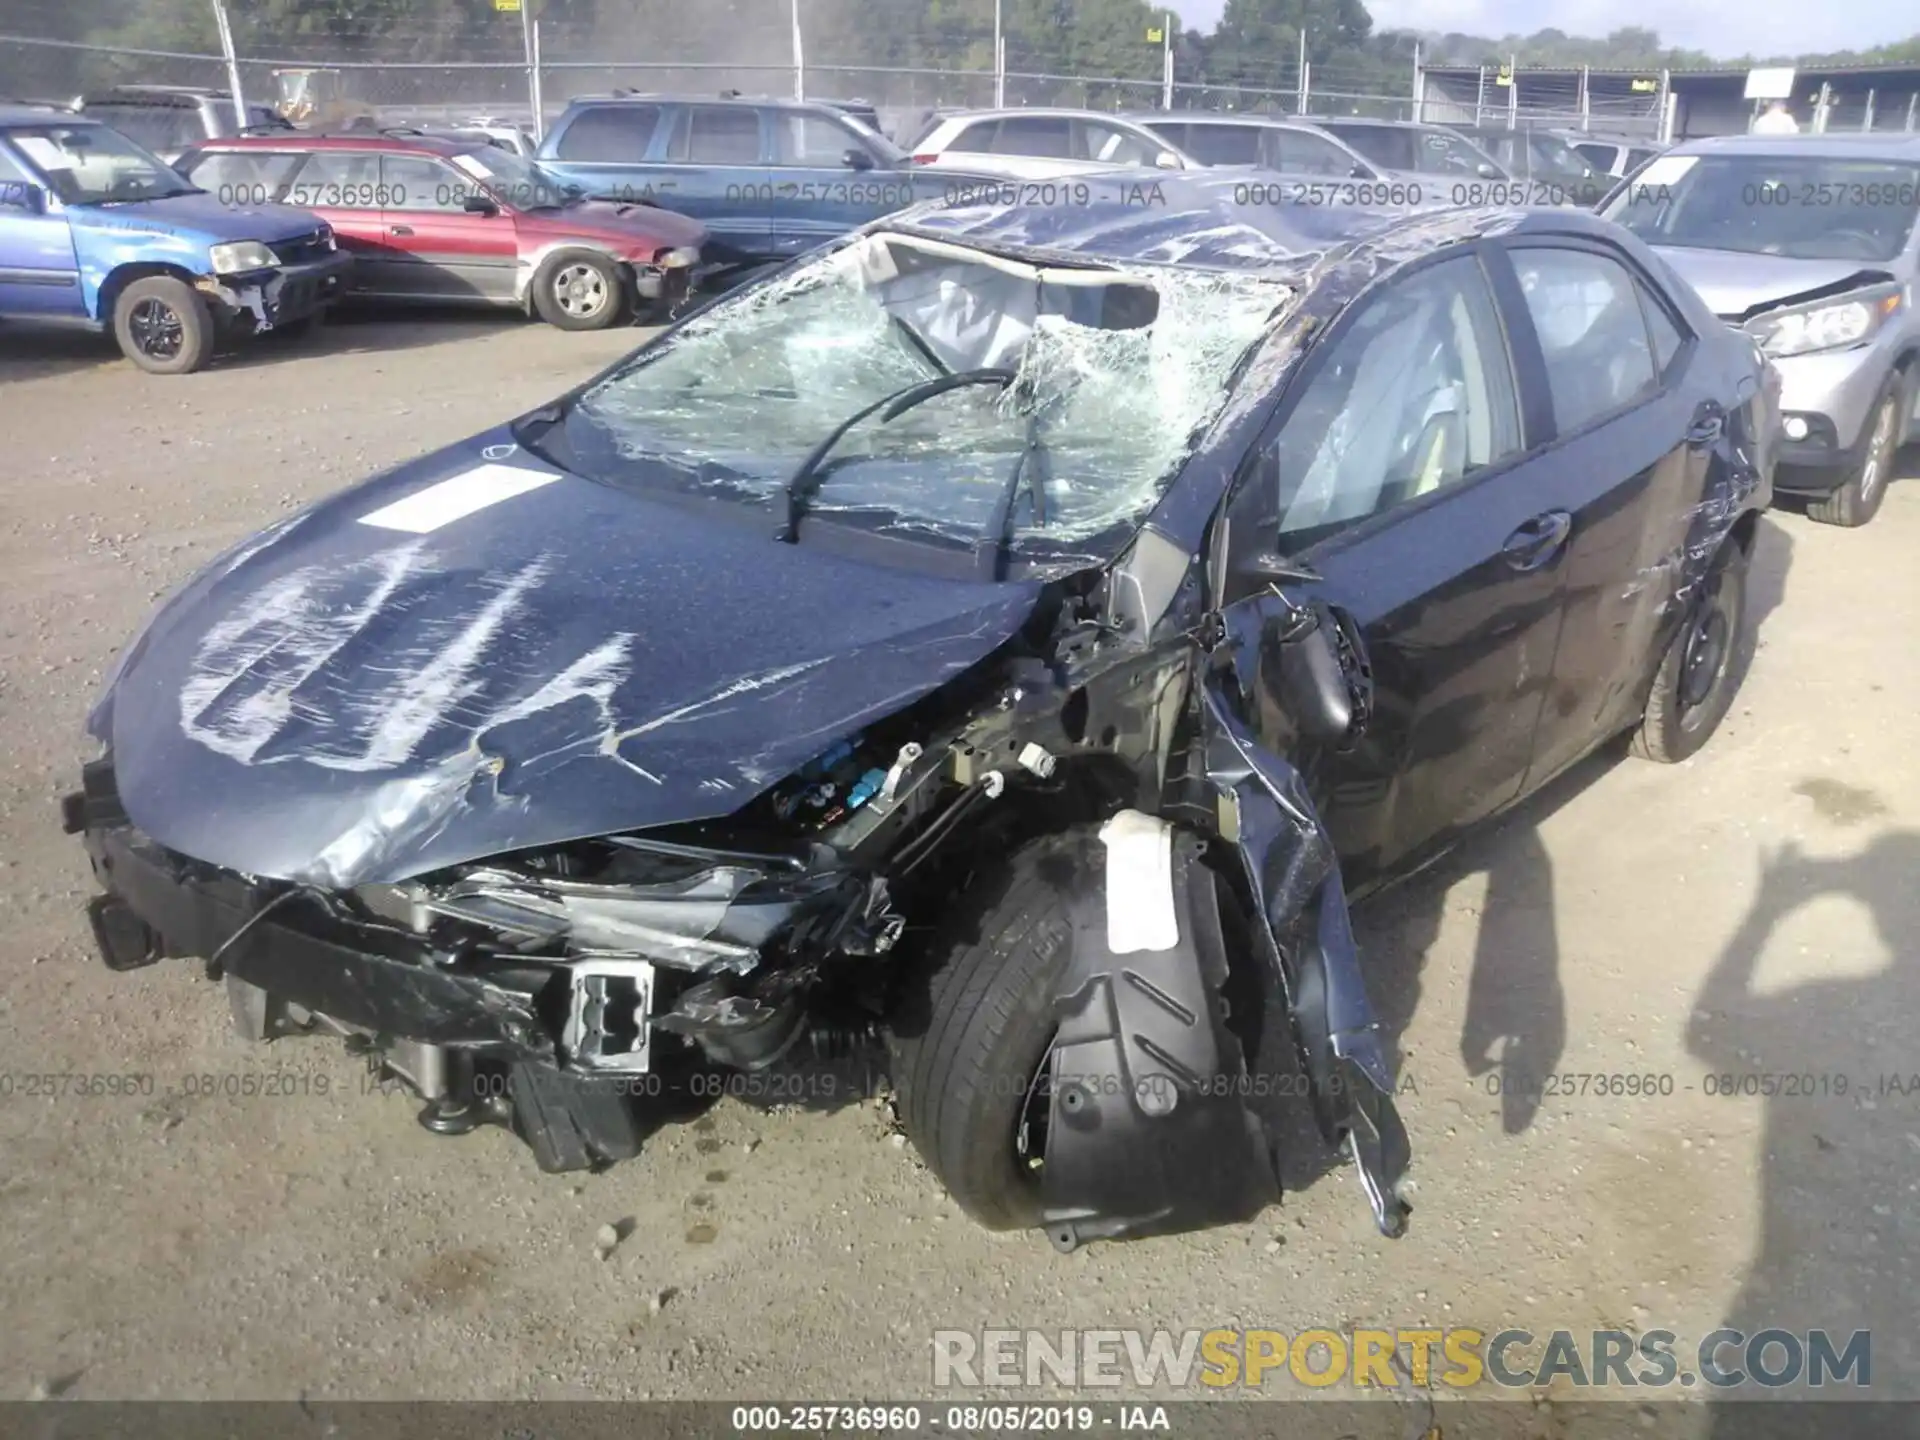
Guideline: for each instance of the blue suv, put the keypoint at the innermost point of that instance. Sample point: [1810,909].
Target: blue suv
[770,179]
[95,230]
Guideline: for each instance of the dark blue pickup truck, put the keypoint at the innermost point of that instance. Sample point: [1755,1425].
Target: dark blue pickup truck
[769,178]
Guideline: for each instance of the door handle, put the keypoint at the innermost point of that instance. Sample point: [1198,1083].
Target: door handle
[399,229]
[1538,541]
[1709,424]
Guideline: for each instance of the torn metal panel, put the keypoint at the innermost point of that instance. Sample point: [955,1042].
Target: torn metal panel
[1293,878]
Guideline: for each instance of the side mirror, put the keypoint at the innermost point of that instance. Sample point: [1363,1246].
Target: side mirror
[1359,172]
[1167,160]
[1486,171]
[480,205]
[22,195]
[1311,684]
[857,159]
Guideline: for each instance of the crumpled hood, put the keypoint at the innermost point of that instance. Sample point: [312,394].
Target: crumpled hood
[631,224]
[510,657]
[1732,283]
[201,217]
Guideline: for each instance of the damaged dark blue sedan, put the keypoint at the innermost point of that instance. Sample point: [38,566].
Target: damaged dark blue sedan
[1008,635]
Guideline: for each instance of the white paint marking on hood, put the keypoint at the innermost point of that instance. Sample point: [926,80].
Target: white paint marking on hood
[1140,908]
[452,499]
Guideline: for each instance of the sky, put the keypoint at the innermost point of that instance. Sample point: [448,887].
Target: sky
[1722,28]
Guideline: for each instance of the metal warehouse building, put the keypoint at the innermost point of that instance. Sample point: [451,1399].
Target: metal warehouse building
[1665,104]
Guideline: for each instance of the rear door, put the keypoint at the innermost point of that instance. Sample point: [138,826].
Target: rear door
[38,272]
[438,249]
[817,194]
[716,159]
[1608,361]
[1399,468]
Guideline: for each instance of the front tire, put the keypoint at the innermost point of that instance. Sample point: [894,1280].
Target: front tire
[1858,500]
[163,326]
[579,291]
[966,1070]
[1698,677]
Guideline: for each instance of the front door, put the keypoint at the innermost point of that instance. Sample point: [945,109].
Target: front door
[38,272]
[438,248]
[817,194]
[1398,468]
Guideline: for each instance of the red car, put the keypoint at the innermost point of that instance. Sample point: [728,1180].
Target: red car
[463,222]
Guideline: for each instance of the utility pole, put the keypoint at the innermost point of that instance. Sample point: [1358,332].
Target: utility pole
[999,60]
[531,45]
[233,63]
[1166,62]
[1300,102]
[799,57]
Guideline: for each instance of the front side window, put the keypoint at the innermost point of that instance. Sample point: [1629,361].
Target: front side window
[1593,333]
[95,165]
[1415,396]
[413,182]
[1298,153]
[1115,372]
[1114,146]
[811,140]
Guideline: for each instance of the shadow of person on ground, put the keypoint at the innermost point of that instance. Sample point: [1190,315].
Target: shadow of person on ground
[1835,1059]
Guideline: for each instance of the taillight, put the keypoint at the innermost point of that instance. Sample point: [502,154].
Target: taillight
[925,159]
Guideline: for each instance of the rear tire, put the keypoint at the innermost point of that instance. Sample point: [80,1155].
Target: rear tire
[1699,675]
[163,326]
[1858,500]
[965,1079]
[579,291]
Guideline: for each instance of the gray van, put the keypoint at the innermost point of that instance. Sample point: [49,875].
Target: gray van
[1809,243]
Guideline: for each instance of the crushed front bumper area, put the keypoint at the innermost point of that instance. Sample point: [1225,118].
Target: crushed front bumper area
[476,1039]
[265,300]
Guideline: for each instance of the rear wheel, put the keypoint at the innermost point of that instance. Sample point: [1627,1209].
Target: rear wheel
[1697,679]
[580,292]
[1858,500]
[163,326]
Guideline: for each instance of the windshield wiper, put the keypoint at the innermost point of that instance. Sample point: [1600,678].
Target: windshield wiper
[807,479]
[1028,466]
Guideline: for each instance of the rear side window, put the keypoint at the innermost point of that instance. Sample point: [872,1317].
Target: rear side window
[1592,331]
[244,177]
[1223,144]
[1637,158]
[718,135]
[1114,146]
[610,133]
[1035,135]
[338,180]
[1599,156]
[976,139]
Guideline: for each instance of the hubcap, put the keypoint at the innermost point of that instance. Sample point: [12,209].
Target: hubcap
[1878,447]
[581,291]
[156,329]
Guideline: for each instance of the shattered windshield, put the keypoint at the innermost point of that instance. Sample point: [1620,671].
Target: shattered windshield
[1110,376]
[1805,207]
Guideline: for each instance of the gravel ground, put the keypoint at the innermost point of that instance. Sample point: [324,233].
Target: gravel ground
[163,1246]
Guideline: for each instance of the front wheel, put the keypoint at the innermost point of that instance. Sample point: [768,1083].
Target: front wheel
[163,326]
[580,292]
[1695,686]
[1857,501]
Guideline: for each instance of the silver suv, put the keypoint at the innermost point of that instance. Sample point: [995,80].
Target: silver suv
[1809,243]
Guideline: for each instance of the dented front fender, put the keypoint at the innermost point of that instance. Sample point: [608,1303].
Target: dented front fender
[1293,879]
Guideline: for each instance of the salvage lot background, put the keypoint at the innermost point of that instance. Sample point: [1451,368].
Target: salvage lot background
[268,1246]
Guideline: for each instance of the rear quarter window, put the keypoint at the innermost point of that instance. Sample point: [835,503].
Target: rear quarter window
[610,133]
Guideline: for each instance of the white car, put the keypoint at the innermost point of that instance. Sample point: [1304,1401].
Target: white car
[1042,144]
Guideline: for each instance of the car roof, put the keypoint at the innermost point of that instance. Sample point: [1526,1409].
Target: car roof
[649,97]
[41,115]
[1368,120]
[391,143]
[1195,219]
[1011,112]
[1872,145]
[1209,117]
